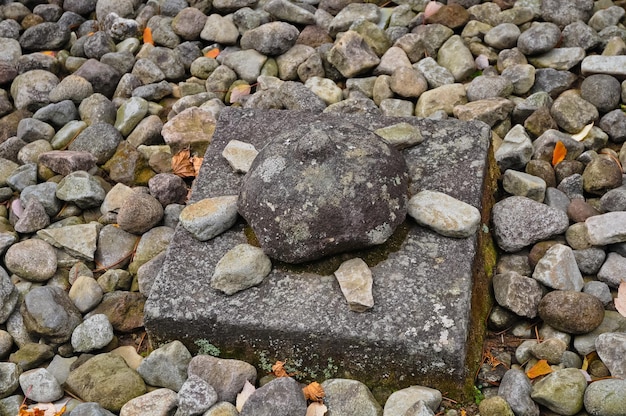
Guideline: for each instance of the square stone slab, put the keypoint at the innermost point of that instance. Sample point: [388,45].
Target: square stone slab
[422,328]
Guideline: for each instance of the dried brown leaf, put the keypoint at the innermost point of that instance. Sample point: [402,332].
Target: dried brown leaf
[279,369]
[182,165]
[196,162]
[314,392]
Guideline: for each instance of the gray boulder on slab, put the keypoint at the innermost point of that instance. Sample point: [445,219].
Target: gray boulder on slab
[322,189]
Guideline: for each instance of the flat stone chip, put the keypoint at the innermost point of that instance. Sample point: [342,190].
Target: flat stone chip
[419,331]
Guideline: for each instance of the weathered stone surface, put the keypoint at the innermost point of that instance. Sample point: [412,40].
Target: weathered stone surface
[444,214]
[106,379]
[324,189]
[227,377]
[188,309]
[242,267]
[572,312]
[280,397]
[519,222]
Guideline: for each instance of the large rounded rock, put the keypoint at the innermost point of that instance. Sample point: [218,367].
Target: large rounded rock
[140,213]
[321,190]
[50,313]
[571,312]
[33,260]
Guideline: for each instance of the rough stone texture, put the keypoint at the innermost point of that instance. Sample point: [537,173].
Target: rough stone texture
[324,189]
[572,312]
[280,397]
[606,398]
[345,396]
[106,379]
[355,281]
[435,289]
[519,222]
[226,376]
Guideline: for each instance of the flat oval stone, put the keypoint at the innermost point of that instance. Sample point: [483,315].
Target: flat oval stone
[324,189]
[572,312]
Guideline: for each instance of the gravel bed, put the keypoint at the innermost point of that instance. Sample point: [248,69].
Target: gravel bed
[99,97]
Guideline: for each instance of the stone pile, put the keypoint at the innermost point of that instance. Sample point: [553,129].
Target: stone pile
[90,117]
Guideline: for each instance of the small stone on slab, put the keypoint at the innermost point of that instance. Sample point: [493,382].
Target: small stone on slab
[209,217]
[444,214]
[242,267]
[355,280]
[239,155]
[401,135]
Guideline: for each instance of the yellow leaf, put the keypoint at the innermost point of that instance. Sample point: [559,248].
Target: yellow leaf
[242,397]
[583,133]
[620,300]
[314,392]
[316,409]
[238,92]
[181,164]
[540,369]
[588,359]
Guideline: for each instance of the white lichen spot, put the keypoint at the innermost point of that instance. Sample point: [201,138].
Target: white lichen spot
[380,233]
[446,322]
[271,167]
[270,206]
[443,337]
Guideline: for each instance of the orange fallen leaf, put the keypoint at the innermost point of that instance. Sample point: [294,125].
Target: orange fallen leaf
[620,300]
[540,369]
[314,392]
[147,36]
[279,369]
[238,92]
[49,53]
[560,151]
[182,165]
[213,53]
[316,409]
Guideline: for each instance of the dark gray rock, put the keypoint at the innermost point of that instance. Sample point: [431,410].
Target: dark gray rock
[57,114]
[227,377]
[589,260]
[539,38]
[44,37]
[90,409]
[578,34]
[195,397]
[280,397]
[515,388]
[65,162]
[349,396]
[614,200]
[103,77]
[519,222]
[552,81]
[348,188]
[99,139]
[517,293]
[273,38]
[8,296]
[564,12]
[601,90]
[613,123]
[50,313]
[166,366]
